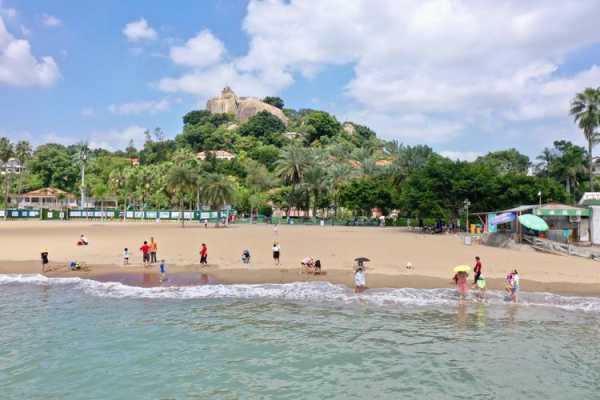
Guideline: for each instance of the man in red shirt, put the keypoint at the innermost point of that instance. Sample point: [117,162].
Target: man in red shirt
[203,254]
[477,269]
[145,249]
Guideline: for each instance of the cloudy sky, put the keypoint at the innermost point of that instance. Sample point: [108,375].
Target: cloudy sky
[465,77]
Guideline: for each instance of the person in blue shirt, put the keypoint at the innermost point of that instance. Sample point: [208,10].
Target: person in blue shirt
[163,271]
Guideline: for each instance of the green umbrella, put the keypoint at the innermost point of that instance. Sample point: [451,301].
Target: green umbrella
[533,222]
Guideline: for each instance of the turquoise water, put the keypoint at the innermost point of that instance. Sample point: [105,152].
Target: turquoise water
[79,339]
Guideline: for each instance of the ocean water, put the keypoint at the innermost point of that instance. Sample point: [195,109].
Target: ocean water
[80,339]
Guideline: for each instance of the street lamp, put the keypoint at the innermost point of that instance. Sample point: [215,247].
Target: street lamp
[540,198]
[467,203]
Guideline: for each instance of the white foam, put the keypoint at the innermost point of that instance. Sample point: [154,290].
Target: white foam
[300,291]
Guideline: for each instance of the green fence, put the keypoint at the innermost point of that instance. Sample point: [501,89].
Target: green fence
[15,213]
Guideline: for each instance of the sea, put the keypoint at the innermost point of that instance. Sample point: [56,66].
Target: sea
[72,338]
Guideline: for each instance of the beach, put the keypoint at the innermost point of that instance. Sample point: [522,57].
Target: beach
[390,249]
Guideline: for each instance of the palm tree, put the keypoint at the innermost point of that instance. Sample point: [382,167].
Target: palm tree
[6,152]
[316,184]
[23,153]
[585,109]
[218,191]
[291,165]
[100,191]
[338,174]
[545,159]
[180,182]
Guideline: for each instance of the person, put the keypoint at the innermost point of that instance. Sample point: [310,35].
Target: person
[307,264]
[508,285]
[125,256]
[205,223]
[462,285]
[516,282]
[153,249]
[477,270]
[276,252]
[145,249]
[246,256]
[163,271]
[204,254]
[317,267]
[44,257]
[359,280]
[82,241]
[481,284]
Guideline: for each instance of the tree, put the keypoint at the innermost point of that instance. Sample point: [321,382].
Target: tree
[568,164]
[181,182]
[506,161]
[361,195]
[6,152]
[264,126]
[321,124]
[292,164]
[217,191]
[274,101]
[585,109]
[315,181]
[54,166]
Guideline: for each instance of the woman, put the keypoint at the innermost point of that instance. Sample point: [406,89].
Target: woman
[462,285]
[276,252]
[515,286]
[360,281]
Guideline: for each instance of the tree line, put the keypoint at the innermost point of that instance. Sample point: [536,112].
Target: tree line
[316,164]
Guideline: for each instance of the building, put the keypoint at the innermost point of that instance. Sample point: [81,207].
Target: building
[12,166]
[219,155]
[48,197]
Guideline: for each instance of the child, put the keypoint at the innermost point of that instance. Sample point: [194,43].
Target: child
[318,267]
[82,241]
[163,271]
[508,284]
[516,282]
[44,257]
[481,284]
[125,256]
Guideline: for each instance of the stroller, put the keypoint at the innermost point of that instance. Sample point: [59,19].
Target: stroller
[246,257]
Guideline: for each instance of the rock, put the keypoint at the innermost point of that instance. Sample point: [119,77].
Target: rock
[242,107]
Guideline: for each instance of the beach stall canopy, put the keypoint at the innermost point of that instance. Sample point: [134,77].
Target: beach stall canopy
[503,218]
[533,222]
[561,210]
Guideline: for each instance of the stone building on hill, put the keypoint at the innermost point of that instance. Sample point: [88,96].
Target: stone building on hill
[242,107]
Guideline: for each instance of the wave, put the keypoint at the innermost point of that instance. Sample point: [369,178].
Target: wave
[299,291]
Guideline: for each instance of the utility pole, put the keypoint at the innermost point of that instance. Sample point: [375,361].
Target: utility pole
[467,203]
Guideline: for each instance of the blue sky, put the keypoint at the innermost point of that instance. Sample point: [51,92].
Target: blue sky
[463,77]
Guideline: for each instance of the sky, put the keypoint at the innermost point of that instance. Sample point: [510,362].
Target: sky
[465,77]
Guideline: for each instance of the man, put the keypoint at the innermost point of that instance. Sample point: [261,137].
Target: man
[145,249]
[477,270]
[203,254]
[153,249]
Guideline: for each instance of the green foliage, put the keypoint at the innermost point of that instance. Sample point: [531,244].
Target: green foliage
[264,126]
[53,166]
[320,124]
[274,101]
[506,161]
[363,194]
[206,117]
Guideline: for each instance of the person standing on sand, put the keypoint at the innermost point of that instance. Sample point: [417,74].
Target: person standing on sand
[477,270]
[153,249]
[204,254]
[44,257]
[276,252]
[145,249]
[125,256]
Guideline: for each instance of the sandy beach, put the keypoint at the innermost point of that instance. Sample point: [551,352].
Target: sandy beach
[432,256]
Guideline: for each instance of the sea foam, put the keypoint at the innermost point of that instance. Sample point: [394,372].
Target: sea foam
[318,292]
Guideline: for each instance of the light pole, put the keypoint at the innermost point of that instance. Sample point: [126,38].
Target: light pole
[467,203]
[540,198]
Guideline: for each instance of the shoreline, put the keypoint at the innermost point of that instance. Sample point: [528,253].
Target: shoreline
[193,275]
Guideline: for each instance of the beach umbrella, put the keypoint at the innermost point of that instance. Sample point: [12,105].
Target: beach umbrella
[533,222]
[361,260]
[462,268]
[503,218]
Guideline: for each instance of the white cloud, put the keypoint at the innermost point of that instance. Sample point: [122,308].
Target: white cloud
[461,155]
[7,11]
[139,30]
[51,21]
[19,67]
[88,112]
[200,51]
[140,107]
[456,64]
[117,139]
[112,139]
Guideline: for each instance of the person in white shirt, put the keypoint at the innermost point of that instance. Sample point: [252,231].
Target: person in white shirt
[515,286]
[276,252]
[359,280]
